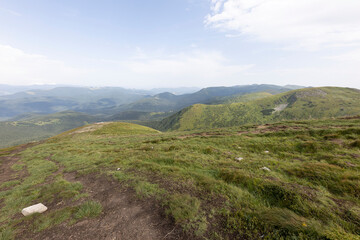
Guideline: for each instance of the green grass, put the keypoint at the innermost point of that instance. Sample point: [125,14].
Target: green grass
[122,128]
[308,103]
[89,209]
[6,234]
[311,192]
[146,189]
[244,98]
[183,207]
[9,184]
[186,211]
[42,222]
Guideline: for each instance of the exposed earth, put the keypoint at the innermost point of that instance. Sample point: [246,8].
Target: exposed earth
[124,215]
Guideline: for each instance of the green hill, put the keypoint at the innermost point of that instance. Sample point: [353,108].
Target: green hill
[164,102]
[32,127]
[287,180]
[308,103]
[122,128]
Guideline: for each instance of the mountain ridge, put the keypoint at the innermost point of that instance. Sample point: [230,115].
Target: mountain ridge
[293,105]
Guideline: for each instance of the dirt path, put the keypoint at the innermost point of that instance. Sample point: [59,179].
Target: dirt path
[8,160]
[124,215]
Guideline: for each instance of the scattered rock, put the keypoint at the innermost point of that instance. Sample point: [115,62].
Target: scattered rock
[37,208]
[265,169]
[239,158]
[266,151]
[118,169]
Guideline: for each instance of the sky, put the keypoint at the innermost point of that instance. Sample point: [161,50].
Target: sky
[175,43]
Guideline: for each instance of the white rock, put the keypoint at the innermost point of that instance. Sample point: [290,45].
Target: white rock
[118,169]
[266,169]
[37,208]
[239,158]
[266,151]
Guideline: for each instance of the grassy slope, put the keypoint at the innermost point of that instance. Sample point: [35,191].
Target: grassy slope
[301,104]
[123,128]
[170,102]
[243,98]
[40,127]
[311,192]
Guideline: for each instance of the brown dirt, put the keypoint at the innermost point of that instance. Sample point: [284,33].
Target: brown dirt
[8,160]
[337,141]
[351,117]
[124,215]
[203,134]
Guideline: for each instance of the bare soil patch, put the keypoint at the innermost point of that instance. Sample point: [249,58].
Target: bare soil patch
[8,160]
[203,134]
[124,215]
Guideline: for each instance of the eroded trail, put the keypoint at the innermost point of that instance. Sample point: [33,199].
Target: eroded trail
[124,215]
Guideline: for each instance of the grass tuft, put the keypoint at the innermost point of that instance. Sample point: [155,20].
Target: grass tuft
[183,207]
[7,234]
[89,209]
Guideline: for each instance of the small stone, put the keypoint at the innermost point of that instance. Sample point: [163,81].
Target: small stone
[118,169]
[266,151]
[37,208]
[266,169]
[239,158]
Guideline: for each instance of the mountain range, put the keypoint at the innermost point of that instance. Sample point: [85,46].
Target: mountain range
[112,100]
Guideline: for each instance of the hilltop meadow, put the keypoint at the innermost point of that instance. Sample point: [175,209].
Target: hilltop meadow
[286,180]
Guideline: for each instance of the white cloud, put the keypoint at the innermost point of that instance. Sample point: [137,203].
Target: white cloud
[307,24]
[18,67]
[342,75]
[351,56]
[194,68]
[187,67]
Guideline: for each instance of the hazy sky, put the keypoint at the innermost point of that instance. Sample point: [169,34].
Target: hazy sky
[171,43]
